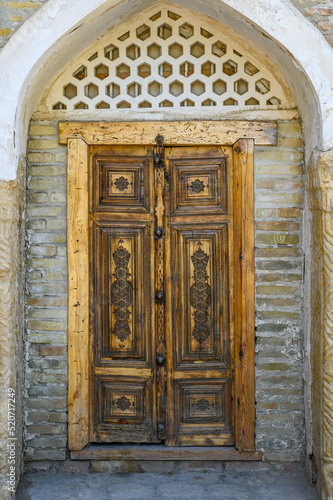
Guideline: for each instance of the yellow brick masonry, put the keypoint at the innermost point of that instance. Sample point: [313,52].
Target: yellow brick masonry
[279,284]
[46,314]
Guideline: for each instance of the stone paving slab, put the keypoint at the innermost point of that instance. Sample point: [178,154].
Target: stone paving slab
[154,486]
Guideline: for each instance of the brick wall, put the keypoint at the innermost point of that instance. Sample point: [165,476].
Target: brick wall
[46,311]
[279,285]
[13,14]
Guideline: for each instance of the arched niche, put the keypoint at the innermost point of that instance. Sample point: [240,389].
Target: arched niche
[60,31]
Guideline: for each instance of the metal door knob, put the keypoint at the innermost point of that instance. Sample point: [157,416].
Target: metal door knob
[160,360]
[157,160]
[159,231]
[160,296]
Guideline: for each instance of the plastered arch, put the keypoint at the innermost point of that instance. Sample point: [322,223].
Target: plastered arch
[60,29]
[56,32]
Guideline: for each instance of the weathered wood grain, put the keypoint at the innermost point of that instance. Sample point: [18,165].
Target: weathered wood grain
[197,268]
[78,294]
[123,381]
[244,295]
[187,132]
[156,452]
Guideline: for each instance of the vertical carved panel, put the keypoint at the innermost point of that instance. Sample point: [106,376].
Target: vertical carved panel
[200,295]
[122,292]
[200,270]
[121,328]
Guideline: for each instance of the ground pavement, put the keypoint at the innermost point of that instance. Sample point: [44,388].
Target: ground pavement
[195,485]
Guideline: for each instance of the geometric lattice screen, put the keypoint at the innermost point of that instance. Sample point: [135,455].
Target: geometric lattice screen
[166,60]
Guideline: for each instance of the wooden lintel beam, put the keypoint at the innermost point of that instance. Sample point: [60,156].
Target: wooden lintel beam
[210,132]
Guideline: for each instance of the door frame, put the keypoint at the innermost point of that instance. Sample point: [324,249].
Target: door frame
[243,136]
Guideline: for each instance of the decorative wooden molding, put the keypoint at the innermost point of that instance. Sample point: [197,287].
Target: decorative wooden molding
[244,294]
[188,132]
[78,294]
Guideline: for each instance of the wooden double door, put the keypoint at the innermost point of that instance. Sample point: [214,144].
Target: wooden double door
[168,299]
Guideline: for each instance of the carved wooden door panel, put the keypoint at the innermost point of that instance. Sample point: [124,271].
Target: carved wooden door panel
[200,283]
[123,386]
[163,296]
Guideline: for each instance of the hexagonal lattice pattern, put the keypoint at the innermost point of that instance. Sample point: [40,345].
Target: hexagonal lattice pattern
[186,30]
[144,70]
[176,50]
[219,48]
[70,91]
[197,87]
[91,90]
[197,49]
[143,32]
[164,31]
[219,87]
[154,89]
[133,51]
[123,71]
[241,86]
[166,60]
[165,70]
[80,73]
[208,68]
[176,88]
[101,71]
[134,89]
[154,51]
[112,90]
[111,52]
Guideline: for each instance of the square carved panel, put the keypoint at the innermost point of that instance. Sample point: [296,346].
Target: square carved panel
[199,185]
[122,409]
[202,404]
[121,184]
[203,412]
[123,402]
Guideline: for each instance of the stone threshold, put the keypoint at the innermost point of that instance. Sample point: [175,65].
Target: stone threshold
[161,452]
